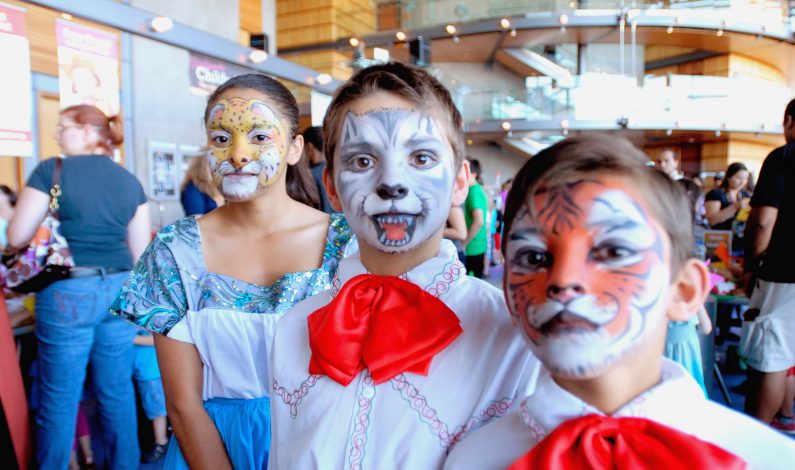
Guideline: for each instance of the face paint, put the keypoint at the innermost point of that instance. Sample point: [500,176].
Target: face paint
[395,178]
[247,147]
[588,278]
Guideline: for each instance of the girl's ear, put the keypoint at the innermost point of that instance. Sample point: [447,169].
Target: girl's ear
[689,290]
[295,150]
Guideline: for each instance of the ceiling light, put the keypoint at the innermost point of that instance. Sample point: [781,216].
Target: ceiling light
[564,19]
[161,24]
[505,23]
[720,32]
[323,78]
[450,28]
[669,132]
[717,133]
[564,124]
[400,35]
[670,30]
[66,16]
[353,42]
[506,126]
[513,33]
[258,56]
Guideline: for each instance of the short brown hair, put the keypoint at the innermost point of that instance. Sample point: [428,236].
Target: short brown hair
[588,154]
[410,83]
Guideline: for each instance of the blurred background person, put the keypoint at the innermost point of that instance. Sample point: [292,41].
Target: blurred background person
[313,147]
[105,220]
[456,230]
[668,163]
[198,194]
[722,205]
[476,209]
[8,199]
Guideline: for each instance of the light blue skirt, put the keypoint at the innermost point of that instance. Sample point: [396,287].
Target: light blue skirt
[682,347]
[245,428]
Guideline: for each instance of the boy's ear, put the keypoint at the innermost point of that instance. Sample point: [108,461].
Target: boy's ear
[331,190]
[296,150]
[461,185]
[689,290]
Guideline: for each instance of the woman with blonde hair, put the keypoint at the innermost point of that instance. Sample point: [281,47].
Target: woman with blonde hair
[198,194]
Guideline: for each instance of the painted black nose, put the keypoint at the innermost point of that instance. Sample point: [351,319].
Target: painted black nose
[386,191]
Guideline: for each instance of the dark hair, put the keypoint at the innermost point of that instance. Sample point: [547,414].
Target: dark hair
[301,185]
[589,154]
[314,136]
[694,193]
[10,194]
[109,129]
[474,168]
[790,110]
[733,169]
[410,83]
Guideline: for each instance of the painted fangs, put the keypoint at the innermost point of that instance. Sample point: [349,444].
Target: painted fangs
[409,220]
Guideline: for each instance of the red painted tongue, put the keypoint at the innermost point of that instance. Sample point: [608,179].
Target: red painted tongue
[395,231]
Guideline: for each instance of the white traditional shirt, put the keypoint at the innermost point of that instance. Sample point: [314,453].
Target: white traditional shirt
[411,421]
[677,402]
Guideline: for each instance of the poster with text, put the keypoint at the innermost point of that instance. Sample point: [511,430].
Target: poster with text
[163,171]
[207,74]
[16,113]
[88,66]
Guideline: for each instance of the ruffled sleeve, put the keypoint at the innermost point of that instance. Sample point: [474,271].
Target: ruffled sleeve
[153,297]
[340,243]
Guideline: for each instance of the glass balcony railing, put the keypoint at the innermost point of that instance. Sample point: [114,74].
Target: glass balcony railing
[414,14]
[672,101]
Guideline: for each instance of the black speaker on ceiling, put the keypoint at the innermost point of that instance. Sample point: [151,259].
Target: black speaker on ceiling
[420,52]
[258,41]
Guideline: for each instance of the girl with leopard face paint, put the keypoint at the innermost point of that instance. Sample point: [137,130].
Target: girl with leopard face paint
[213,288]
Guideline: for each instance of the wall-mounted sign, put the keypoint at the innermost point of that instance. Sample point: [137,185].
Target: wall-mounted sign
[163,171]
[88,66]
[16,113]
[207,74]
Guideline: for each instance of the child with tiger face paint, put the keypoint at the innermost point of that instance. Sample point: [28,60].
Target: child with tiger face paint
[597,261]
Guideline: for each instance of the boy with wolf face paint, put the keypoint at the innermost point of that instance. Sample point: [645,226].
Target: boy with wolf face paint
[596,264]
[406,354]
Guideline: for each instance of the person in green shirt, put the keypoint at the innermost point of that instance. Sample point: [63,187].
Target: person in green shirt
[475,209]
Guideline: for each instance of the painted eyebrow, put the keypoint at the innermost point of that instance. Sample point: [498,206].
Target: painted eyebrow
[350,149]
[524,234]
[423,141]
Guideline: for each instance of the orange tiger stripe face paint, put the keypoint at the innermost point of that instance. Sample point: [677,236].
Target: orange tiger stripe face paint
[587,278]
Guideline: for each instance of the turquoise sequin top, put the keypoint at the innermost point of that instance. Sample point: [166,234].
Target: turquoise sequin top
[171,278]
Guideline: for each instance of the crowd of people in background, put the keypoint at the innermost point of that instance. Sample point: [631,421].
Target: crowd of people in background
[195,306]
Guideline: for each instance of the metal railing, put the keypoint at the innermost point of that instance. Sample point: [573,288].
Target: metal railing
[672,101]
[414,14]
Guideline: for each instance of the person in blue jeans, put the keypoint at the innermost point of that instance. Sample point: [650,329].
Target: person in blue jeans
[146,374]
[105,220]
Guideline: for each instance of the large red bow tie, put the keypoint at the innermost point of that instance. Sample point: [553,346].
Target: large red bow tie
[601,443]
[384,324]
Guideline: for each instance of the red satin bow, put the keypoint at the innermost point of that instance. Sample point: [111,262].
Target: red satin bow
[384,324]
[601,442]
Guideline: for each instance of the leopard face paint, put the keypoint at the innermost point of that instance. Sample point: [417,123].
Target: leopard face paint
[395,175]
[247,147]
[588,278]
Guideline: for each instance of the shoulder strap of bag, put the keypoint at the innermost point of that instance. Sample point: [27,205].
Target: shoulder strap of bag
[55,190]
